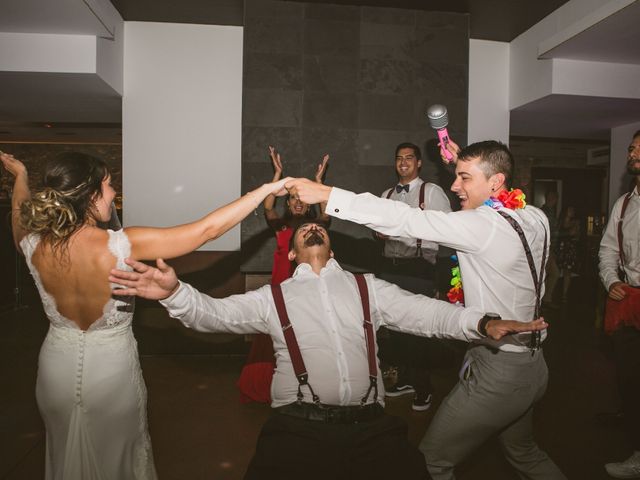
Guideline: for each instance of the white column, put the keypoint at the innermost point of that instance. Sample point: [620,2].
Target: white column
[181,124]
[488,91]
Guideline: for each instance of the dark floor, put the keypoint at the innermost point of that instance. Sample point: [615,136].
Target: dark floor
[200,430]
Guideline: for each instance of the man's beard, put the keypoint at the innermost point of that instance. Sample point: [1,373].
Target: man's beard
[314,238]
[632,169]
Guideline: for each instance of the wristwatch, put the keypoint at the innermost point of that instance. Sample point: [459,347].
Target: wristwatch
[482,324]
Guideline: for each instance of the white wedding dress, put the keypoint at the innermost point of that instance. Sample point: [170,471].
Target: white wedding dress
[90,390]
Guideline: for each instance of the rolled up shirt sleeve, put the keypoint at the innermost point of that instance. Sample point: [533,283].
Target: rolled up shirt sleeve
[415,314]
[246,313]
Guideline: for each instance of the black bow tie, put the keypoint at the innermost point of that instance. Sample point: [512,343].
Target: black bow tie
[400,188]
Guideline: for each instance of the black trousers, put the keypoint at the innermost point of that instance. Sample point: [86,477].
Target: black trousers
[410,353]
[291,448]
[626,350]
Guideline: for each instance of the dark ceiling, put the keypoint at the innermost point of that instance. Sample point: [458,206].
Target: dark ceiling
[498,20]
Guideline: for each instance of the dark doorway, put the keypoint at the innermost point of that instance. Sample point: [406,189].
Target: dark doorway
[582,189]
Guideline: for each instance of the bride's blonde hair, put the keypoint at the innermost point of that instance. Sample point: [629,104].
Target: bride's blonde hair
[65,202]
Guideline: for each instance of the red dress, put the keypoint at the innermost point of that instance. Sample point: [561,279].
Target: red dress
[282,267]
[255,380]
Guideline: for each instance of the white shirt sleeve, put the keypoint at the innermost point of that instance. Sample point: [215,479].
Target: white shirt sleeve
[437,199]
[467,231]
[246,313]
[420,315]
[609,249]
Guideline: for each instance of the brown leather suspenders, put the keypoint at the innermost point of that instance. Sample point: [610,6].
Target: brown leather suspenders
[294,350]
[537,279]
[421,205]
[369,337]
[292,344]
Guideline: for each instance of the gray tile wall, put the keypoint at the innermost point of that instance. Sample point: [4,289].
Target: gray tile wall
[352,82]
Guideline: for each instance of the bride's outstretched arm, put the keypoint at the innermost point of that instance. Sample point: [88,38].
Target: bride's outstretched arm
[21,193]
[151,243]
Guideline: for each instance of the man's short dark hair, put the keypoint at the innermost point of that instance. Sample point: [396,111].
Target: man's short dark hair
[494,156]
[413,146]
[637,134]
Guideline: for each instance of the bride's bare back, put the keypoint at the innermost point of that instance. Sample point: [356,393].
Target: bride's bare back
[76,193]
[78,282]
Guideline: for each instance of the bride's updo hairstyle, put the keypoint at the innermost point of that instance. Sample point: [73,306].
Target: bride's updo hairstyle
[64,203]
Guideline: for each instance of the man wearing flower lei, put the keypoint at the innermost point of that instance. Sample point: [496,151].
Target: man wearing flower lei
[500,381]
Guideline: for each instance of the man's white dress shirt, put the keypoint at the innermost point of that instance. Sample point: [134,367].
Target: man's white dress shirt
[609,256]
[434,199]
[326,313]
[495,273]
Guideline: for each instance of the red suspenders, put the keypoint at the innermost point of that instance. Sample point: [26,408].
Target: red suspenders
[294,350]
[421,205]
[369,338]
[292,344]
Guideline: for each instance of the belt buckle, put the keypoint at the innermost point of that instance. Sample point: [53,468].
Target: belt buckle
[338,415]
[329,415]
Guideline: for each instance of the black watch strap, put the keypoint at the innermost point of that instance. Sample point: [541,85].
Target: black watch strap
[482,324]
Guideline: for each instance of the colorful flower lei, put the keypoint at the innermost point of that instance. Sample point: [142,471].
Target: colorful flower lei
[513,199]
[455,293]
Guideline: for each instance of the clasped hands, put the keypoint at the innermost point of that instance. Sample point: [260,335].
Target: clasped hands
[307,190]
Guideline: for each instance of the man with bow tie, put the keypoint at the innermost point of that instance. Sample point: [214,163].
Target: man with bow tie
[410,264]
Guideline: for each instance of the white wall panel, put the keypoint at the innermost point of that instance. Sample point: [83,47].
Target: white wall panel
[182,109]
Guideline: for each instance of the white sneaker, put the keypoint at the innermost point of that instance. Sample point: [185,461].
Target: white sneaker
[630,468]
[421,404]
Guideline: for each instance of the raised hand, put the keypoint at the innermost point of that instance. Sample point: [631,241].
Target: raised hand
[454,149]
[276,162]
[322,168]
[14,166]
[497,329]
[145,281]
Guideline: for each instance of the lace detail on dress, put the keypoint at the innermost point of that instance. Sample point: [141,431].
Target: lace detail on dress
[115,312]
[28,245]
[120,247]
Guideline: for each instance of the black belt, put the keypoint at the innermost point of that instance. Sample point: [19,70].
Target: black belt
[332,414]
[403,261]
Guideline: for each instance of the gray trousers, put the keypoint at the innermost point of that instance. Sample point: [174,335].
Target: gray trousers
[495,395]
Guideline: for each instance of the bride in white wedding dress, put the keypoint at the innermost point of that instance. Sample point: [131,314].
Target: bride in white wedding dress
[90,390]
